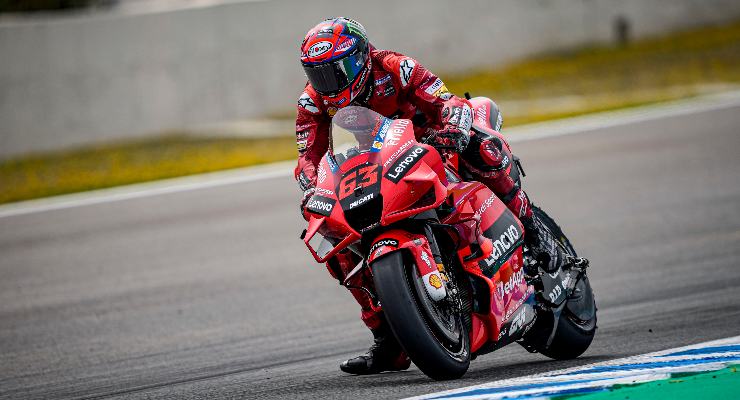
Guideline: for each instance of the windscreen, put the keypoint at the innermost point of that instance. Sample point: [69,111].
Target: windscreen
[357,130]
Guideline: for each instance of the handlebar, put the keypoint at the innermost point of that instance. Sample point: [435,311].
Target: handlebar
[429,140]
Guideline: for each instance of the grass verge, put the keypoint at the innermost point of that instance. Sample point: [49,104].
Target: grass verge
[548,87]
[132,162]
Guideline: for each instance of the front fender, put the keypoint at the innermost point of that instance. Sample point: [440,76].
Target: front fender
[417,246]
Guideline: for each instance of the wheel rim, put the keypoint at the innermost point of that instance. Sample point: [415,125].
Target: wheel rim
[440,315]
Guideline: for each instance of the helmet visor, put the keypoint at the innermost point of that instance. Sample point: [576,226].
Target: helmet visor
[331,78]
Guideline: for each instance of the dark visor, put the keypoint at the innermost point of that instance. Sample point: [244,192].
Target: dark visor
[331,78]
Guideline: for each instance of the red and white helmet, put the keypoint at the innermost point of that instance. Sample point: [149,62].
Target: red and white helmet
[335,55]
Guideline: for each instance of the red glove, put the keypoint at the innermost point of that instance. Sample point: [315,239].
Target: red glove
[457,117]
[306,195]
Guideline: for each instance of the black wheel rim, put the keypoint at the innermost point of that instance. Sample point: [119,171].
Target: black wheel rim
[440,316]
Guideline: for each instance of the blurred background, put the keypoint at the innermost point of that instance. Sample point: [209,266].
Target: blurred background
[97,93]
[200,287]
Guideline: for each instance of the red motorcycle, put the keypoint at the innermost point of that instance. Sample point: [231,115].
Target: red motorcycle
[446,255]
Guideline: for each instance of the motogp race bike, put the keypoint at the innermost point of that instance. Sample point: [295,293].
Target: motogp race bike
[446,257]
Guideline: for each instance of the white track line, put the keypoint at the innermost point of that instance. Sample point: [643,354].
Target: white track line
[630,370]
[139,190]
[585,124]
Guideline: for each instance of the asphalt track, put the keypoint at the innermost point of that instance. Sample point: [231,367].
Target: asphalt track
[210,294]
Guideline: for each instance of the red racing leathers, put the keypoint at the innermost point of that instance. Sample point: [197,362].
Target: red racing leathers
[399,87]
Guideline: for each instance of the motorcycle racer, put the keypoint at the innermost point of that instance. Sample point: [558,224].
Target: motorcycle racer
[343,68]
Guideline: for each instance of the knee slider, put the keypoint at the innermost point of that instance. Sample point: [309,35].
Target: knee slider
[486,153]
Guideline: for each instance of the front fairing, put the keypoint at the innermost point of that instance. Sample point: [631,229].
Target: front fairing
[374,174]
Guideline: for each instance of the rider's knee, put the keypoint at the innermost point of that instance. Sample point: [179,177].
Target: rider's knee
[487,154]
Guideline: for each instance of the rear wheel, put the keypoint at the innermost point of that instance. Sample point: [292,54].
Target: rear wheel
[577,322]
[435,335]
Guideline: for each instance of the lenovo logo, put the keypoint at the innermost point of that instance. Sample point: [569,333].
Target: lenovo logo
[404,163]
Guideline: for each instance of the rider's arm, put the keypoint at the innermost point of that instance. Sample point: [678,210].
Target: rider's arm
[426,91]
[312,138]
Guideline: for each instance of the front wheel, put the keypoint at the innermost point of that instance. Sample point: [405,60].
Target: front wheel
[433,334]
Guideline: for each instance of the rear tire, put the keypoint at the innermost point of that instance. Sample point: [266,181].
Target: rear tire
[577,323]
[401,299]
[574,335]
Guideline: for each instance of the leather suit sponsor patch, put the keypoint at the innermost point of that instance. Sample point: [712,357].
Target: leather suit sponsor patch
[405,71]
[307,103]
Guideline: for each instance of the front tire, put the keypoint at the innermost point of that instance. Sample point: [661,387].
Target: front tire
[403,301]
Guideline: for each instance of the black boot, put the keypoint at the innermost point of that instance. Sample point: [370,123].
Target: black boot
[384,355]
[542,245]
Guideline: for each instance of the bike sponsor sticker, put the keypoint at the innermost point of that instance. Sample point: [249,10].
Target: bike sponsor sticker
[319,48]
[434,286]
[363,177]
[397,153]
[361,201]
[518,322]
[320,205]
[389,135]
[435,281]
[405,71]
[321,174]
[404,163]
[384,242]
[332,164]
[394,134]
[380,137]
[325,192]
[425,258]
[489,202]
[481,114]
[506,241]
[504,288]
[506,236]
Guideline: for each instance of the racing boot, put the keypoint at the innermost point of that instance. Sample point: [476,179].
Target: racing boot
[384,355]
[542,245]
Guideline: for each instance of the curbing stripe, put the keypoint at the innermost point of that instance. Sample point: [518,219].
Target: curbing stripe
[709,356]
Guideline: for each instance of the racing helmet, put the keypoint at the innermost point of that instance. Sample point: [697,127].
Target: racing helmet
[335,55]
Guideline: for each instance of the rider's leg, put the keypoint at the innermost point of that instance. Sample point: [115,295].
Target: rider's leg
[489,163]
[385,354]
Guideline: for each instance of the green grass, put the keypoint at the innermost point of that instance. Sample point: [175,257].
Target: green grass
[642,72]
[131,162]
[721,384]
[603,78]
[708,55]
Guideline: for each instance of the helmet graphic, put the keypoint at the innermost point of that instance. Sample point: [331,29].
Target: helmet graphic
[336,59]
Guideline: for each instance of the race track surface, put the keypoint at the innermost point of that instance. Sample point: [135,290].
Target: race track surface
[210,294]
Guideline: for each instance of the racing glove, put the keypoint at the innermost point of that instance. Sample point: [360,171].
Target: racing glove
[306,195]
[457,118]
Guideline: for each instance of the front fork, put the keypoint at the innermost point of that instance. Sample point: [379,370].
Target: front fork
[423,249]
